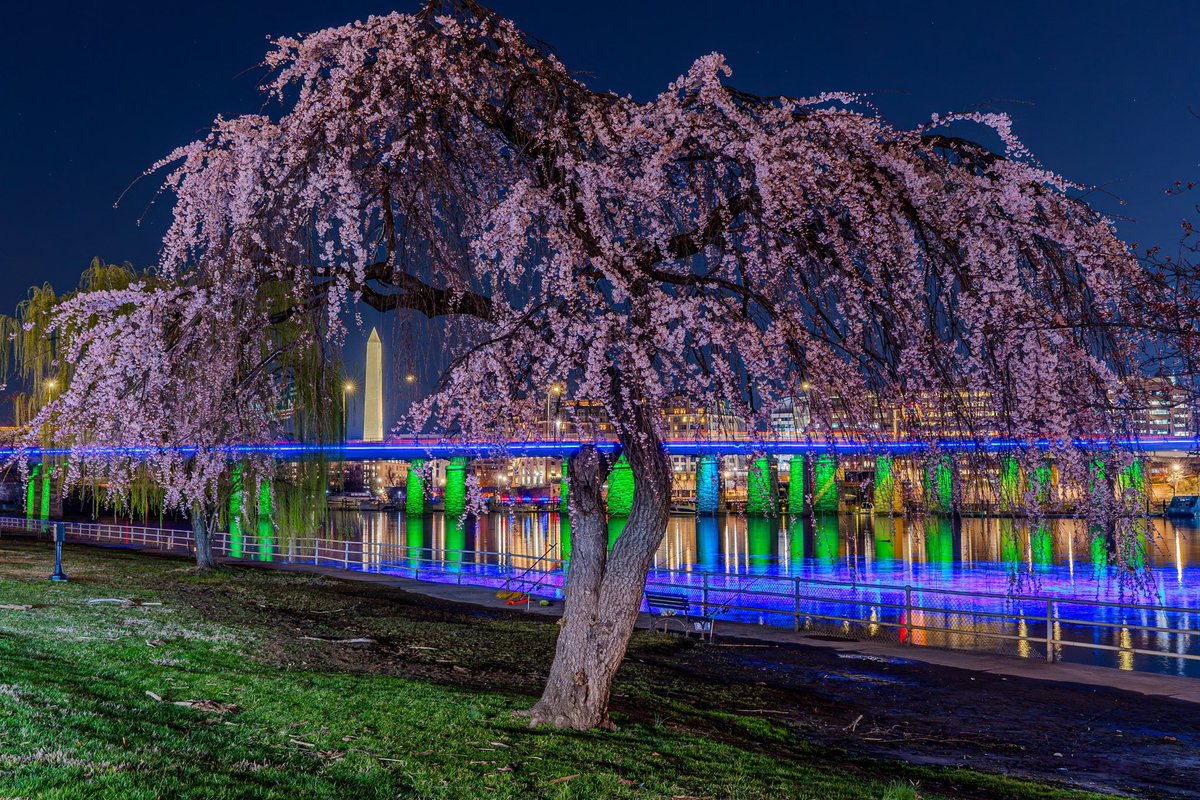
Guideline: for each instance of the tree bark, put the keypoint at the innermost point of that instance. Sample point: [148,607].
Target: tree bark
[604,590]
[202,539]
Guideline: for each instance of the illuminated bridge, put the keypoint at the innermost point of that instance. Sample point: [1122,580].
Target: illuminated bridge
[408,449]
[818,462]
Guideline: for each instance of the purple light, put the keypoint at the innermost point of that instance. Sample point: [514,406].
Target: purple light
[408,450]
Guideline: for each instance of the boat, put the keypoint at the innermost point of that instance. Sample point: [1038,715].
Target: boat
[1184,505]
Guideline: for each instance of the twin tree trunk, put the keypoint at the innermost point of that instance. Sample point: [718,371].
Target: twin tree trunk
[203,538]
[604,589]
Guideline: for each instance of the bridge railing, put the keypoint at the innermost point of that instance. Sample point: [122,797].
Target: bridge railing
[1126,635]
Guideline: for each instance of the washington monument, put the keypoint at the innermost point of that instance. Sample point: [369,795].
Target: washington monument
[373,399]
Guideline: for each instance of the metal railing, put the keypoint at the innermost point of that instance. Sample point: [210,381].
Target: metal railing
[1031,626]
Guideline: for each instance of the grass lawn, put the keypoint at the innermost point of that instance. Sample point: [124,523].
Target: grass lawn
[230,685]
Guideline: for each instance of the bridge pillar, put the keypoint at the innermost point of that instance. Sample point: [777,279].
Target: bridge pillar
[564,538]
[1010,484]
[939,486]
[237,510]
[414,489]
[564,487]
[1040,482]
[31,507]
[708,484]
[796,486]
[825,488]
[47,492]
[266,523]
[456,489]
[1041,547]
[760,488]
[620,490]
[886,494]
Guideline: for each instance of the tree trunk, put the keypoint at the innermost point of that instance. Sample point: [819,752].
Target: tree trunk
[202,539]
[604,590]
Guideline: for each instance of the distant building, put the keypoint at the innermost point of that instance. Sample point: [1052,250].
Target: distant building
[1163,408]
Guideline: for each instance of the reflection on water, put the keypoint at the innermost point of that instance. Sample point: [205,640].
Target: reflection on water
[1059,557]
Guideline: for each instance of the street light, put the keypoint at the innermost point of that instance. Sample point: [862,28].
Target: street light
[347,389]
[556,389]
[60,534]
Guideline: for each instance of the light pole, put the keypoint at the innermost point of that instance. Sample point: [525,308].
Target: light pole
[556,389]
[347,389]
[60,533]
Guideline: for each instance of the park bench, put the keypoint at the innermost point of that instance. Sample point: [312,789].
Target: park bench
[666,608]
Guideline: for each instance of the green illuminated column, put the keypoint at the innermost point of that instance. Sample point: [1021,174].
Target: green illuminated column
[825,539]
[616,524]
[620,489]
[266,527]
[886,495]
[414,490]
[1097,470]
[825,492]
[564,538]
[939,542]
[796,487]
[456,540]
[1010,547]
[708,484]
[1039,482]
[885,534]
[1041,546]
[237,508]
[414,538]
[456,489]
[760,494]
[796,542]
[708,543]
[1010,484]
[759,539]
[1099,550]
[31,492]
[564,488]
[939,486]
[47,491]
[1133,476]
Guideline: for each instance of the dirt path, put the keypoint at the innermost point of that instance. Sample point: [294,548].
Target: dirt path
[862,705]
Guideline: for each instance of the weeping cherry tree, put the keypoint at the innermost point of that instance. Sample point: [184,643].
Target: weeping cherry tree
[739,250]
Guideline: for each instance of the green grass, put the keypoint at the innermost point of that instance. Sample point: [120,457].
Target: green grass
[406,717]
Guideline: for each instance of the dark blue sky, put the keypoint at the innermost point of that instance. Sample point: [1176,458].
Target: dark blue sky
[91,94]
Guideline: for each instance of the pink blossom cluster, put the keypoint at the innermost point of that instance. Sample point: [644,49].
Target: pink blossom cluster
[744,252]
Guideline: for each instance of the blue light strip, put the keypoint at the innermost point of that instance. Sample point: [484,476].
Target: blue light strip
[402,450]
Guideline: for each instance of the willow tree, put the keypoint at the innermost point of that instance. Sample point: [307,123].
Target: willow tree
[145,383]
[708,242]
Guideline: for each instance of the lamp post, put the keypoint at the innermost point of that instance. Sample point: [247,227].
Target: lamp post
[347,389]
[60,534]
[556,389]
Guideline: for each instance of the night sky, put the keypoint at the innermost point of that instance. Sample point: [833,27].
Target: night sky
[92,94]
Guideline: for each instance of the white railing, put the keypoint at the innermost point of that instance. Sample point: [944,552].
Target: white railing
[1039,626]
